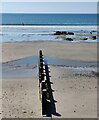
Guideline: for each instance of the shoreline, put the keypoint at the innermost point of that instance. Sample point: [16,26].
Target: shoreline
[36,33]
[59,41]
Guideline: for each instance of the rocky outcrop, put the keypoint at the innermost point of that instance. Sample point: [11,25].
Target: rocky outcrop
[70,33]
[63,33]
[84,39]
[60,33]
[94,37]
[69,39]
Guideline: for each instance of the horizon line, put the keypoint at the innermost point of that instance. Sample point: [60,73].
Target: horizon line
[44,13]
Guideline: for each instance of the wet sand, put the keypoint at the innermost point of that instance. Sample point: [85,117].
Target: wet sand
[64,50]
[74,90]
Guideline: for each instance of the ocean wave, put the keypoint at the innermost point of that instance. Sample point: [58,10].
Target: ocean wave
[19,26]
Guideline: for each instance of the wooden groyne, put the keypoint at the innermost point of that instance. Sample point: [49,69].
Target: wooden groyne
[44,92]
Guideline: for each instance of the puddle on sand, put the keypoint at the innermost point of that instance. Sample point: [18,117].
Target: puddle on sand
[27,67]
[34,60]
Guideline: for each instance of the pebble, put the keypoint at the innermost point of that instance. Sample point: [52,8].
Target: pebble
[24,111]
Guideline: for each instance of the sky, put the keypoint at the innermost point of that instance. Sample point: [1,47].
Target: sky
[49,7]
[49,0]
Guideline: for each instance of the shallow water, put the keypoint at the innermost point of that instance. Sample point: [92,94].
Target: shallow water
[28,67]
[37,33]
[34,60]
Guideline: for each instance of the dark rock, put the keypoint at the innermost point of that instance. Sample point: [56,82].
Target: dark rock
[94,37]
[70,33]
[93,31]
[57,33]
[84,38]
[60,33]
[69,39]
[63,33]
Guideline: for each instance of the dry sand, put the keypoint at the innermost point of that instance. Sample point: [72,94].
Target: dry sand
[20,98]
[76,94]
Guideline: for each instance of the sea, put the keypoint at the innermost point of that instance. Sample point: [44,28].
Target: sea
[18,27]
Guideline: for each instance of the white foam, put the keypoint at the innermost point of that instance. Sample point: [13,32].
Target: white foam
[19,26]
[34,33]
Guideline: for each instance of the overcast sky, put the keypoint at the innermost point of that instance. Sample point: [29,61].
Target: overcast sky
[49,7]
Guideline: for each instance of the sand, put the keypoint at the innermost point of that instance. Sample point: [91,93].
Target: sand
[76,96]
[20,98]
[63,50]
[0,98]
[75,93]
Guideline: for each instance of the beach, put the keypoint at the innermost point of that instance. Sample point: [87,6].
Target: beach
[64,50]
[74,84]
